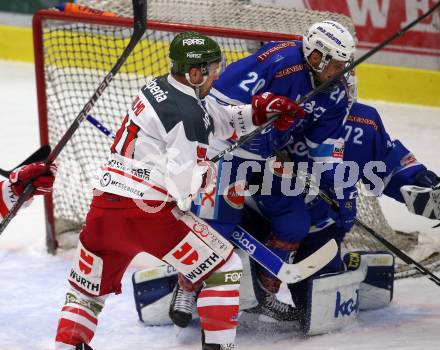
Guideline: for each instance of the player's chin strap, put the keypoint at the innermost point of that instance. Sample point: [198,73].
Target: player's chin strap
[196,86]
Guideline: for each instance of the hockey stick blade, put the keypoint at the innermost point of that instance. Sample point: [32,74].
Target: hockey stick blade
[139,28]
[40,155]
[293,273]
[288,273]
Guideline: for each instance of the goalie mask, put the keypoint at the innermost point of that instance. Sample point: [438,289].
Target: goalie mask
[332,40]
[191,49]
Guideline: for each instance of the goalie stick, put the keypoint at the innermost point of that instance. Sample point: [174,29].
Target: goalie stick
[139,28]
[288,273]
[40,155]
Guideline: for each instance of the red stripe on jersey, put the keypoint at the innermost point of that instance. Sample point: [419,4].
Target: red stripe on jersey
[119,134]
[3,207]
[128,147]
[76,311]
[73,333]
[135,178]
[218,317]
[219,293]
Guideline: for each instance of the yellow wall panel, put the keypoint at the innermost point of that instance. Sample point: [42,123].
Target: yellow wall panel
[16,44]
[376,82]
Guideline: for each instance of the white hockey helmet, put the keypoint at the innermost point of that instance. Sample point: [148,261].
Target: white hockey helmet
[332,40]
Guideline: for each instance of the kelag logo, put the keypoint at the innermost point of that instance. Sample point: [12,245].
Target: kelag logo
[242,241]
[346,308]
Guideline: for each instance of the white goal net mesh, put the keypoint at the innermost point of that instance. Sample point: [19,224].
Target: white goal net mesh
[77,54]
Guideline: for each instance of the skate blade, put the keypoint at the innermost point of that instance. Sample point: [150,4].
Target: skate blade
[267,319]
[177,331]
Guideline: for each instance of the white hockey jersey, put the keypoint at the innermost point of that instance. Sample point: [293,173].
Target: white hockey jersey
[164,137]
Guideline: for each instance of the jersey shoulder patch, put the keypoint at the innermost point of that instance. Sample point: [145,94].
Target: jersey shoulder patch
[365,115]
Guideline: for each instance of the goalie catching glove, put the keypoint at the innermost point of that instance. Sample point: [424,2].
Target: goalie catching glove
[41,175]
[268,104]
[423,198]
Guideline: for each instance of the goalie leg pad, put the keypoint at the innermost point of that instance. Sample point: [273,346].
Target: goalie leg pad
[376,291]
[152,289]
[248,298]
[334,300]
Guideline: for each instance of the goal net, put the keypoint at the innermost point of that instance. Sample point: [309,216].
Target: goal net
[74,51]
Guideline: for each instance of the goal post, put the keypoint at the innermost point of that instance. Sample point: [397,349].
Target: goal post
[74,51]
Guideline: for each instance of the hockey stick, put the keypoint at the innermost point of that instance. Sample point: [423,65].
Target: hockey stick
[327,83]
[139,28]
[285,272]
[391,247]
[288,273]
[399,253]
[40,155]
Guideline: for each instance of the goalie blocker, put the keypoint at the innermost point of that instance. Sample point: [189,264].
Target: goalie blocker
[333,300]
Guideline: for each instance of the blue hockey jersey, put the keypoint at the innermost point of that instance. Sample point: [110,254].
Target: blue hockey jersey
[280,67]
[384,164]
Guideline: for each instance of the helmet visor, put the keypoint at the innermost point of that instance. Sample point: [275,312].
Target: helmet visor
[217,67]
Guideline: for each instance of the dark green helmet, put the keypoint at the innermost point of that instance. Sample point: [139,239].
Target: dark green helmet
[191,49]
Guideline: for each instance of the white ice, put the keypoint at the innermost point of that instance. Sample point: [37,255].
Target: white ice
[33,283]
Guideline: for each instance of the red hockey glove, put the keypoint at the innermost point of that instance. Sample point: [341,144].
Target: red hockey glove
[40,175]
[268,104]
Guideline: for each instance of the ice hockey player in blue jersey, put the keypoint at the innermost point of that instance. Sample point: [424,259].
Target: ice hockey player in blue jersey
[384,166]
[290,68]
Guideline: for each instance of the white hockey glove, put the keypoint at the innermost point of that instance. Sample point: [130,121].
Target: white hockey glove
[185,203]
[203,179]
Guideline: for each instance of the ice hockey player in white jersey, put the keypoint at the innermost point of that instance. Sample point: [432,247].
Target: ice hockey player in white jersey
[157,164]
[42,176]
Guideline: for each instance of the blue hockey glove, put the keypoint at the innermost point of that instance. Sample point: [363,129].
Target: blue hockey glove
[344,217]
[426,178]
